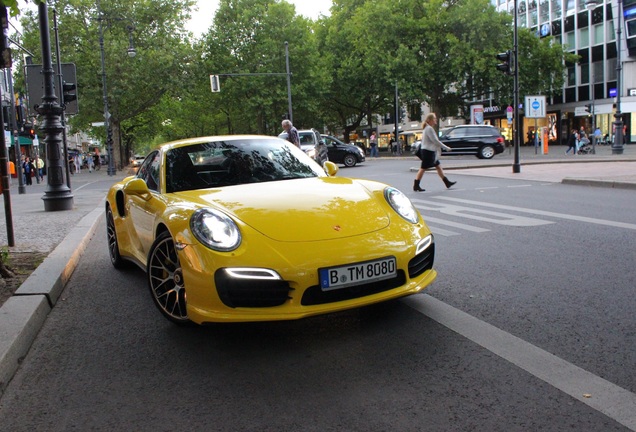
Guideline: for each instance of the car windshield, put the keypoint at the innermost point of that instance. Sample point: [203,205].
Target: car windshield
[234,162]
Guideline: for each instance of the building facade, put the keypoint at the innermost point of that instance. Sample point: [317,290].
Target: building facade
[592,35]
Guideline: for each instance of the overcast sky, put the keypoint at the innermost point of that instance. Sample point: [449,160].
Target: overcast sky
[200,21]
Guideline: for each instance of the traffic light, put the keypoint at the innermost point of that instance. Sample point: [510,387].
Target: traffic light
[588,108]
[68,90]
[31,133]
[506,60]
[214,82]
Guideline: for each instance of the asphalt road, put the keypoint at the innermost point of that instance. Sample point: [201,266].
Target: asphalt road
[529,327]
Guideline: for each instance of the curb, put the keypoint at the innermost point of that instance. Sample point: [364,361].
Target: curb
[24,314]
[599,183]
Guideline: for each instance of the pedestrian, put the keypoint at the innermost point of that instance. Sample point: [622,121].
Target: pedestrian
[78,163]
[29,171]
[89,163]
[373,141]
[39,168]
[572,140]
[429,153]
[583,139]
[292,133]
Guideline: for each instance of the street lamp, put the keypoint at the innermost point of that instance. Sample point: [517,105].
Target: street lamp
[590,5]
[131,53]
[617,145]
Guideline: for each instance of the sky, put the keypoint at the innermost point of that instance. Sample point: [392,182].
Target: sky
[200,21]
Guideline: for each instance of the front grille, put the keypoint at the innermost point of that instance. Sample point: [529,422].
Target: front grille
[422,262]
[314,295]
[237,292]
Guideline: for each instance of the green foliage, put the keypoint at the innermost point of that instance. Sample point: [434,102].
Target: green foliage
[344,67]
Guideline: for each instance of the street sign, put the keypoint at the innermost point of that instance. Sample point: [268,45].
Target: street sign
[535,107]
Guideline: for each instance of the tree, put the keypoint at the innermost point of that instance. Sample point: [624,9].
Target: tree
[134,85]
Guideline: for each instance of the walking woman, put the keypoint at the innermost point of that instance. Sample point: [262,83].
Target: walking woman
[429,153]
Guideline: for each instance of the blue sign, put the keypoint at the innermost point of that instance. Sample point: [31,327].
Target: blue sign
[536,105]
[612,92]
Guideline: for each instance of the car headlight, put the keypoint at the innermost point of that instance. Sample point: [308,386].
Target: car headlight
[401,204]
[215,230]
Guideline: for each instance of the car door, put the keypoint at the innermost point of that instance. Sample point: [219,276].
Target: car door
[460,140]
[142,210]
[335,149]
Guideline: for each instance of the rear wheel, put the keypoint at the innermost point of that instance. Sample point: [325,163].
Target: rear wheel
[486,152]
[113,245]
[350,160]
[165,279]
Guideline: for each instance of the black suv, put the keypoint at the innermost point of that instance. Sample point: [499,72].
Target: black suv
[483,141]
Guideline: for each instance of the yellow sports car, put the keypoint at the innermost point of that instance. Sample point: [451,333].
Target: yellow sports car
[250,228]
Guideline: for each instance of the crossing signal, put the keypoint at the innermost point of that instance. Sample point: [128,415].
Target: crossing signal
[506,61]
[588,108]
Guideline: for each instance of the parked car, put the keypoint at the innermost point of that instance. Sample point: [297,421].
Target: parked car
[137,160]
[347,154]
[483,141]
[214,222]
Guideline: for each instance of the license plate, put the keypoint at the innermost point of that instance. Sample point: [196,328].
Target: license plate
[357,274]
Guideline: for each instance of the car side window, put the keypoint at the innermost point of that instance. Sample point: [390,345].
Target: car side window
[473,132]
[457,133]
[149,171]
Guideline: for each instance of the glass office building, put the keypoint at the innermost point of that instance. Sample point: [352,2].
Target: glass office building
[592,35]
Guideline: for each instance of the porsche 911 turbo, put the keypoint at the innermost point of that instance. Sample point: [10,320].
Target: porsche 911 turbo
[250,228]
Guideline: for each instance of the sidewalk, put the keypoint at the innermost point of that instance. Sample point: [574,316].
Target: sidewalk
[65,234]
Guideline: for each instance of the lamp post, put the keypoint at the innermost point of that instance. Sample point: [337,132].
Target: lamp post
[590,5]
[617,145]
[131,53]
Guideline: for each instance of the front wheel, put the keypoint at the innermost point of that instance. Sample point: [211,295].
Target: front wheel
[165,279]
[350,161]
[486,152]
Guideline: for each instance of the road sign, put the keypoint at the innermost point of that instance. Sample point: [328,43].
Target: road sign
[535,107]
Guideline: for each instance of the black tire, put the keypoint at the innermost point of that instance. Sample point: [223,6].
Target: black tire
[486,152]
[113,245]
[165,279]
[350,160]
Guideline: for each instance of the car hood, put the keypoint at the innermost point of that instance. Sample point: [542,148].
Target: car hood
[300,210]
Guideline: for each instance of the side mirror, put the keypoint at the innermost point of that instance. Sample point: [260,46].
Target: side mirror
[330,168]
[137,187]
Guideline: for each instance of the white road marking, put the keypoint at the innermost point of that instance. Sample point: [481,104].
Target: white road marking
[478,214]
[608,398]
[441,231]
[543,213]
[455,224]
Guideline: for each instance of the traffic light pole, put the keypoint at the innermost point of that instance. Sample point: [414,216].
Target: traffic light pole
[516,167]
